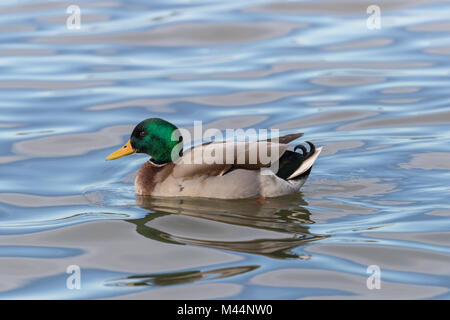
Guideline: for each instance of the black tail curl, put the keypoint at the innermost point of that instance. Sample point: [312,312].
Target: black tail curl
[305,153]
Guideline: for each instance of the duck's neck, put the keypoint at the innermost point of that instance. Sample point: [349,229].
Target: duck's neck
[156,163]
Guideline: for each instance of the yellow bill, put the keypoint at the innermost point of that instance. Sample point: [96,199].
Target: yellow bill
[122,152]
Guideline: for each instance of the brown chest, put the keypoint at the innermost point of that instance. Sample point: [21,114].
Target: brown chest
[149,175]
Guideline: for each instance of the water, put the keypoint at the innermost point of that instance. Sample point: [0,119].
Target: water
[377,100]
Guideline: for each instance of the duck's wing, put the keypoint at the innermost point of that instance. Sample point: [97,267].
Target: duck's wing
[217,158]
[287,138]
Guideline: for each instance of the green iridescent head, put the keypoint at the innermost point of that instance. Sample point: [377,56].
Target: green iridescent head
[156,137]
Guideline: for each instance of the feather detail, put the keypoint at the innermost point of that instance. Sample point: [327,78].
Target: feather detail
[306,165]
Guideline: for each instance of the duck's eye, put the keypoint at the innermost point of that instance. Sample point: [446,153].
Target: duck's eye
[143,133]
[180,139]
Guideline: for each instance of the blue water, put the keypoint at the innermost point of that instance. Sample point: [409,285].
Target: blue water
[375,99]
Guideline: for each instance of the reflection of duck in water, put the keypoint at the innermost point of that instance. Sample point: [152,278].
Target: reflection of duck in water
[173,278]
[272,230]
[241,225]
[227,169]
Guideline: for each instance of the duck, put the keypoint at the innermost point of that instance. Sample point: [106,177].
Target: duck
[216,169]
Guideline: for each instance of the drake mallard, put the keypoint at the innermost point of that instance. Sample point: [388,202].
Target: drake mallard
[172,172]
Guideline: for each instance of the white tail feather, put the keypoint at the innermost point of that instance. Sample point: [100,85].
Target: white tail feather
[306,164]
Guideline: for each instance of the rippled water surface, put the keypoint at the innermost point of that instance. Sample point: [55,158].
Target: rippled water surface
[376,99]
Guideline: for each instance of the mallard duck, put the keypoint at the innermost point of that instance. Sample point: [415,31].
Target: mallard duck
[241,172]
